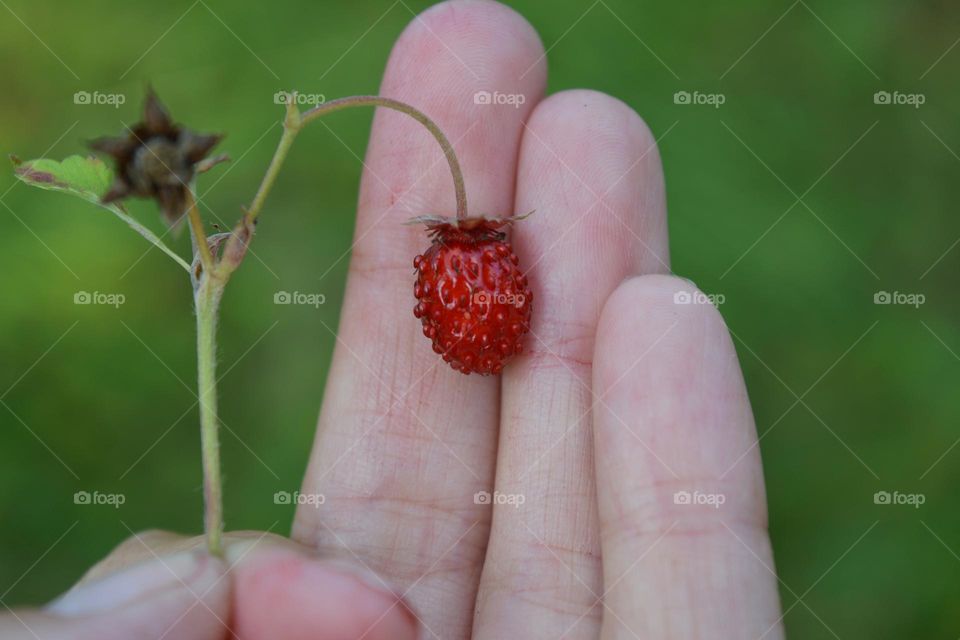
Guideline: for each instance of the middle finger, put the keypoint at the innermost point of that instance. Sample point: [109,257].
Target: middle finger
[589,166]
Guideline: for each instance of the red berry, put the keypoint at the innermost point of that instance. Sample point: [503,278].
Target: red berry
[472,298]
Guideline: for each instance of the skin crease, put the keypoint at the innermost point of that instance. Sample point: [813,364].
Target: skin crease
[621,399]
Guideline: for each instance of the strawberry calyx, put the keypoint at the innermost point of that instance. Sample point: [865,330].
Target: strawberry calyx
[471,229]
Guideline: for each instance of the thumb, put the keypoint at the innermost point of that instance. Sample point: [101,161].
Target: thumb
[285,591]
[178,596]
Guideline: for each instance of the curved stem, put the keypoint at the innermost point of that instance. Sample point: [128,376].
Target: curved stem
[419,116]
[294,123]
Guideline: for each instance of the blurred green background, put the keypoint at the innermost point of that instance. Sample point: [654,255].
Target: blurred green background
[99,410]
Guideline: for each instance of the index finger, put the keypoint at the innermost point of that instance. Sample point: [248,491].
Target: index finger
[404,442]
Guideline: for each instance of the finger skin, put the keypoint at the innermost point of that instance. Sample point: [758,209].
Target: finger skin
[141,547]
[685,547]
[404,442]
[590,168]
[282,593]
[193,605]
[266,587]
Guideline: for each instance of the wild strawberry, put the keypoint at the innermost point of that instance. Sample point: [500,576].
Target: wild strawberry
[472,298]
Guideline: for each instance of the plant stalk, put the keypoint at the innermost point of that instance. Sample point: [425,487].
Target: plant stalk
[290,132]
[196,227]
[216,273]
[296,120]
[207,300]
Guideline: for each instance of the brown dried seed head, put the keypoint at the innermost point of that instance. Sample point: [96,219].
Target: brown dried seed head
[156,159]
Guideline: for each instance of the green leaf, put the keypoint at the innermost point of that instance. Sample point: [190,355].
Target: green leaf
[88,178]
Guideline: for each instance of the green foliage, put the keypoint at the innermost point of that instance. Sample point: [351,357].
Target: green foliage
[87,178]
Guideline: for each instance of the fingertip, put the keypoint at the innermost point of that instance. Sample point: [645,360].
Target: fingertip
[675,408]
[183,595]
[658,316]
[592,116]
[602,146]
[281,593]
[482,39]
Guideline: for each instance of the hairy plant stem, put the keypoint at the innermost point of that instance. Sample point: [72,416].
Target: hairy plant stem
[212,280]
[199,236]
[207,301]
[296,120]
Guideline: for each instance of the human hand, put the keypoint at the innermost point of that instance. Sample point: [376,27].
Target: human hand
[161,585]
[622,399]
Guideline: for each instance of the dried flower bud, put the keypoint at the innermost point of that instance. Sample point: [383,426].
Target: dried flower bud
[156,159]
